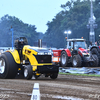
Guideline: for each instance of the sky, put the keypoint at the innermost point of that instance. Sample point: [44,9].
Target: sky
[34,12]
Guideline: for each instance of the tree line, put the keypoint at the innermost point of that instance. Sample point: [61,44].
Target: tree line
[74,16]
[20,29]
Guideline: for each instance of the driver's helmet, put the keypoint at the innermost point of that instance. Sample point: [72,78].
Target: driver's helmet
[20,41]
[23,40]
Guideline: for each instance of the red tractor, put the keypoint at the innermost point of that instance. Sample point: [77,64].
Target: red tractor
[76,54]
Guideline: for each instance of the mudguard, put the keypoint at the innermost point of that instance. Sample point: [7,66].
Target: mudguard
[68,52]
[15,55]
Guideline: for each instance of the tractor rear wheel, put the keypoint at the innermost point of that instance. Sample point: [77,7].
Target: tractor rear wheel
[28,73]
[94,51]
[96,61]
[64,59]
[8,67]
[76,61]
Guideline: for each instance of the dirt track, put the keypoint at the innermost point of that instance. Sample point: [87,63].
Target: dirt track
[76,87]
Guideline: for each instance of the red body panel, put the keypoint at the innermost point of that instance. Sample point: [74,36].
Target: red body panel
[68,52]
[57,53]
[82,50]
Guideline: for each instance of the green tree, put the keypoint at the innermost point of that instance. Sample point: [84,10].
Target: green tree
[74,17]
[19,29]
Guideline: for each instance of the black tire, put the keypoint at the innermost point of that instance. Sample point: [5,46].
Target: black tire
[54,75]
[28,73]
[94,51]
[64,59]
[96,61]
[9,66]
[76,61]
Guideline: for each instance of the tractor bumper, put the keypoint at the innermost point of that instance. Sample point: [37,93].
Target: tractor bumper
[47,69]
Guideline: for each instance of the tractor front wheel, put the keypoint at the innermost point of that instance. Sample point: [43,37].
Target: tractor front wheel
[76,61]
[64,59]
[28,73]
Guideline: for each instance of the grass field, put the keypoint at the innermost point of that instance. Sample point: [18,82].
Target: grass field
[80,74]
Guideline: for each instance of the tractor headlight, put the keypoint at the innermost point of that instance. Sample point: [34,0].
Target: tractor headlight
[44,53]
[40,53]
[49,53]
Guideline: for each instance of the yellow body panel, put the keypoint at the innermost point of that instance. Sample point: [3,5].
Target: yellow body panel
[27,53]
[34,68]
[31,56]
[15,55]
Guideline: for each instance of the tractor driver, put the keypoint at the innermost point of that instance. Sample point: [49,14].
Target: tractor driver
[21,43]
[20,46]
[76,45]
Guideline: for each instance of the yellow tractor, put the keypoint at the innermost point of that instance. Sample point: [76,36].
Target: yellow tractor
[28,61]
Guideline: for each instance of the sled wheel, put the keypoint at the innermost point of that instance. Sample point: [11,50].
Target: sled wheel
[64,59]
[28,72]
[54,75]
[8,67]
[76,61]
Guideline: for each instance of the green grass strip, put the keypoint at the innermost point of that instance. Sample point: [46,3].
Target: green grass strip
[79,74]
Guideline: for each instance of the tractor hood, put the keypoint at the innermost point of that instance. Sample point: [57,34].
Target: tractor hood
[41,51]
[83,51]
